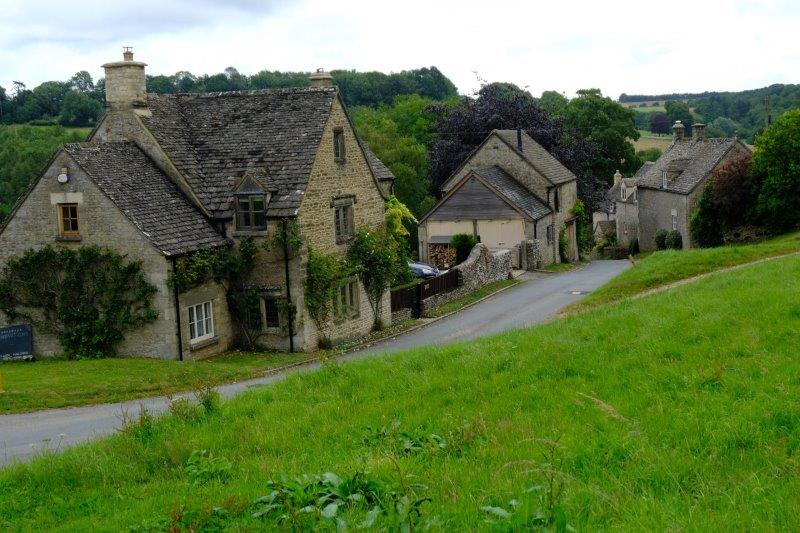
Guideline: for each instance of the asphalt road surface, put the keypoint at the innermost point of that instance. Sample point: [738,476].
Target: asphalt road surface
[23,436]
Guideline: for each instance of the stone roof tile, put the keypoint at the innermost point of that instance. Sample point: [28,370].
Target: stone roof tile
[146,196]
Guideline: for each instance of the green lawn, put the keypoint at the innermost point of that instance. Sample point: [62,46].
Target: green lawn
[58,383]
[664,267]
[679,411]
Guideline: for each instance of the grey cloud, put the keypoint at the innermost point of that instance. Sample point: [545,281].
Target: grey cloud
[91,22]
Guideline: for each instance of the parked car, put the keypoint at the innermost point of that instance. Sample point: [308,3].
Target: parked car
[423,270]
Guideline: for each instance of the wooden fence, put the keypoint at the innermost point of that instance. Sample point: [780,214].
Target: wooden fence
[412,297]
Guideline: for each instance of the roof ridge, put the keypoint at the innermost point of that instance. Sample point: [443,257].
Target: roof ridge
[246,92]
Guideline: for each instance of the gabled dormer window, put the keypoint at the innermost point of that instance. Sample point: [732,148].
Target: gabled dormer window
[251,205]
[338,145]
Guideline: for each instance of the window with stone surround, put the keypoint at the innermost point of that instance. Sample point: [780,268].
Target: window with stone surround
[68,220]
[271,312]
[201,322]
[343,219]
[338,145]
[550,234]
[347,302]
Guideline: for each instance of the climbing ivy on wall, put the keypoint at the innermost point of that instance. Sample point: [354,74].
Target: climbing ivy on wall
[88,297]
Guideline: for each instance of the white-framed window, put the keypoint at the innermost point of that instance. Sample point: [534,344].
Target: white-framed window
[674,219]
[201,321]
[663,179]
[271,312]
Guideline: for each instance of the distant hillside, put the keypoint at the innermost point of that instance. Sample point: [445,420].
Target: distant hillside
[728,113]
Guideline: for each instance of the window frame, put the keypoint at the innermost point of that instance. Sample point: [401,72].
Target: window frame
[206,321]
[674,222]
[339,151]
[266,312]
[62,231]
[348,299]
[550,232]
[663,179]
[344,220]
[251,212]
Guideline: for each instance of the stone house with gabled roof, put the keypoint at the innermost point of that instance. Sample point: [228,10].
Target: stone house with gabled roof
[162,176]
[667,190]
[507,191]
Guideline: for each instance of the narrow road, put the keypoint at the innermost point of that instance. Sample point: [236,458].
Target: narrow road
[23,436]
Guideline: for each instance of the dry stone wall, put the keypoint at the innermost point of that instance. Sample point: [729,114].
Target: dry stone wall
[481,267]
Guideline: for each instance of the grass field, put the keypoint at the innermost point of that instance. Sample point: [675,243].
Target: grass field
[58,383]
[649,140]
[668,266]
[679,411]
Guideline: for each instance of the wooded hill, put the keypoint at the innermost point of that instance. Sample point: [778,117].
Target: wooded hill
[742,112]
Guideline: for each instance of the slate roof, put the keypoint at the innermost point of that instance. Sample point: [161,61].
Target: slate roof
[687,163]
[380,170]
[547,165]
[146,196]
[214,138]
[522,198]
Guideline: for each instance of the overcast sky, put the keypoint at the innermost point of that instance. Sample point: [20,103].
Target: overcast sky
[618,46]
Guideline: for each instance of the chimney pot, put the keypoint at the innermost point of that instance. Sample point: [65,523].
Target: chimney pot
[678,130]
[321,78]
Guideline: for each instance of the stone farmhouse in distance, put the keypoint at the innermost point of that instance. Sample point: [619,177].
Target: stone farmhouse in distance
[508,192]
[162,176]
[663,194]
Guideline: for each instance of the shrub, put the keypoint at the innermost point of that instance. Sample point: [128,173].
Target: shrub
[463,243]
[661,239]
[89,297]
[583,226]
[633,246]
[323,275]
[705,223]
[373,257]
[674,240]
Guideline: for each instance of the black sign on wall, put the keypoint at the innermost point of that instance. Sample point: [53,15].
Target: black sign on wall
[16,342]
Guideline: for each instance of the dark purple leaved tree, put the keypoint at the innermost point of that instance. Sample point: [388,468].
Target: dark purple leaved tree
[463,126]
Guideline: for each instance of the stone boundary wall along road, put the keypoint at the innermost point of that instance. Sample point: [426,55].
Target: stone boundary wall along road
[481,267]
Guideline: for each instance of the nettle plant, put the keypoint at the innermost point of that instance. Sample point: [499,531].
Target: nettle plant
[88,297]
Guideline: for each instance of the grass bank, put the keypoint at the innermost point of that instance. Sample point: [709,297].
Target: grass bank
[679,411]
[49,384]
[668,266]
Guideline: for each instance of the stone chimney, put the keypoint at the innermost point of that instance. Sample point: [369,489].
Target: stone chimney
[678,130]
[125,82]
[617,177]
[321,78]
[698,132]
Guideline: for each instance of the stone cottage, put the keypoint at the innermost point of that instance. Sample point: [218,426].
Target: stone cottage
[667,190]
[162,176]
[509,190]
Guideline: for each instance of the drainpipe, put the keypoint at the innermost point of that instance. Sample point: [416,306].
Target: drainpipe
[284,234]
[176,295]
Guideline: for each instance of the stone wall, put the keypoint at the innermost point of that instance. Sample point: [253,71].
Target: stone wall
[481,267]
[224,328]
[531,254]
[35,224]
